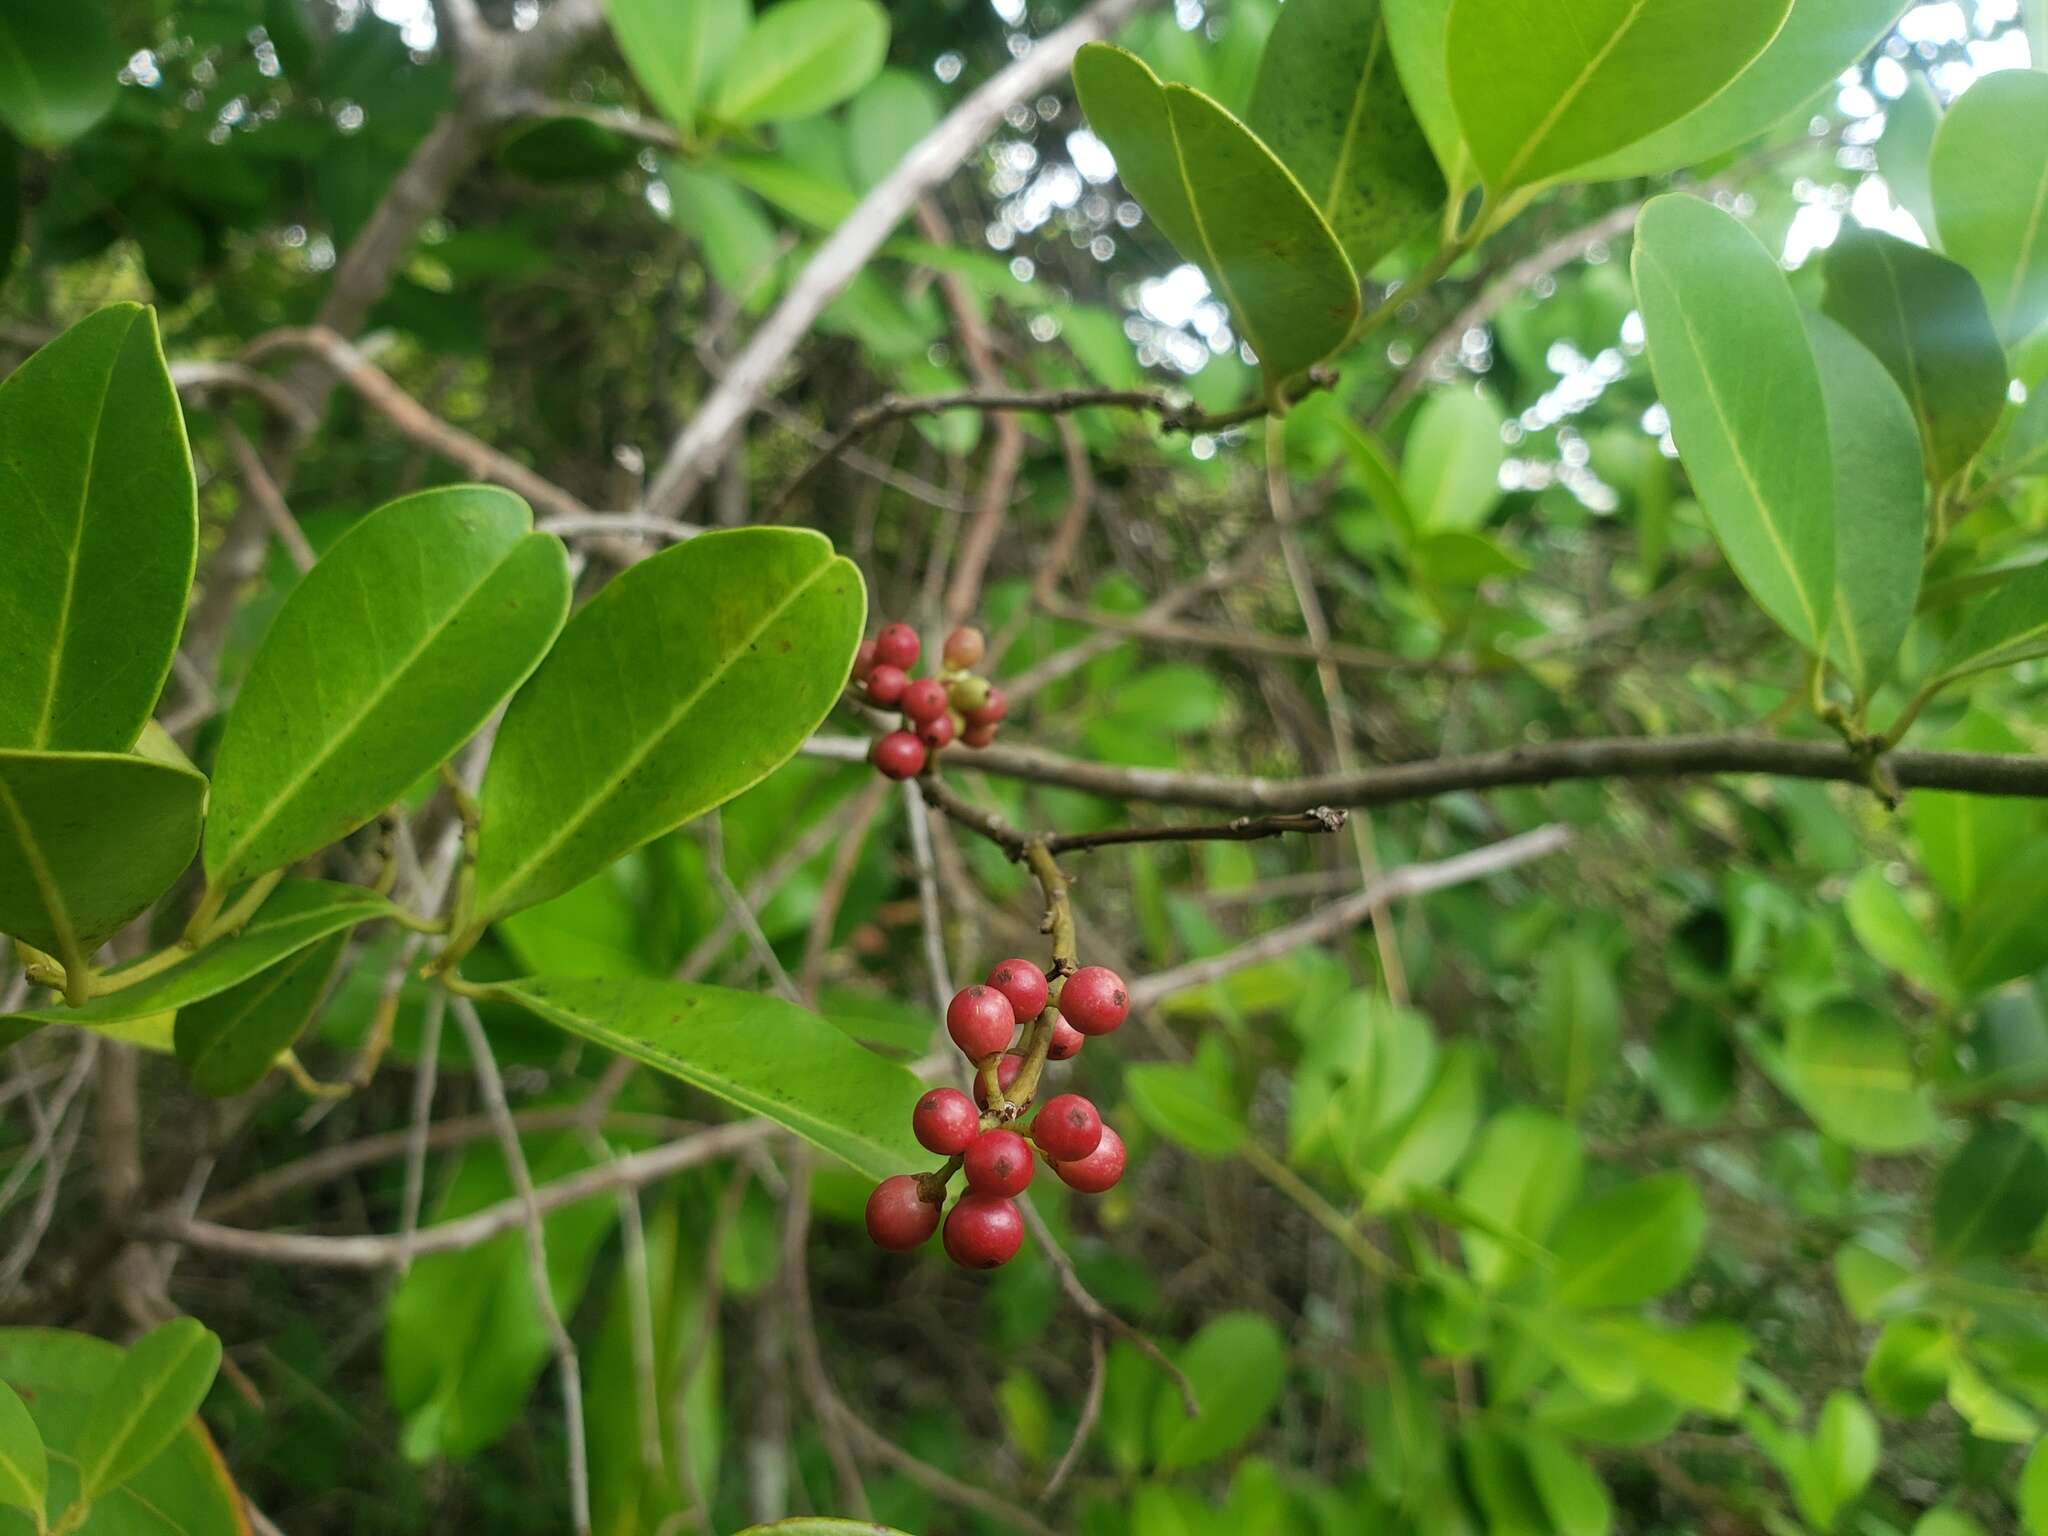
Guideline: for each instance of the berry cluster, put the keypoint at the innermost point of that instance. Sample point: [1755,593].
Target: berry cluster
[984,1229]
[935,709]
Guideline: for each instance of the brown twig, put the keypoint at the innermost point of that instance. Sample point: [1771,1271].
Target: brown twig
[1091,1410]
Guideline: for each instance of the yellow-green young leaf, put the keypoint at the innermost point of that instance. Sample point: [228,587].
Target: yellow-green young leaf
[1329,103]
[1907,1370]
[1421,1151]
[1924,318]
[302,912]
[808,1526]
[1228,206]
[675,51]
[1699,1365]
[885,120]
[1989,177]
[1362,1072]
[1236,1366]
[1571,1491]
[228,1041]
[87,841]
[1415,31]
[161,1383]
[766,1056]
[1990,1413]
[1735,371]
[1544,89]
[2033,1491]
[1574,1038]
[1992,1195]
[2006,625]
[1892,934]
[1628,1245]
[801,57]
[1819,40]
[688,679]
[1880,504]
[1905,150]
[1999,938]
[1839,1460]
[1966,839]
[1946,1521]
[24,1464]
[182,1492]
[1851,1068]
[393,650]
[59,68]
[1450,463]
[1873,1283]
[1522,1174]
[1187,1105]
[99,518]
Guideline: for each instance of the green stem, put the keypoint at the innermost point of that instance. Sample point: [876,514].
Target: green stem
[1324,1214]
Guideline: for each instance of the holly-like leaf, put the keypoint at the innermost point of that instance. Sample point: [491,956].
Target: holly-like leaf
[801,57]
[1988,174]
[87,841]
[1924,318]
[1737,375]
[1228,205]
[99,518]
[766,1056]
[393,650]
[686,680]
[1329,103]
[1544,89]
[160,1384]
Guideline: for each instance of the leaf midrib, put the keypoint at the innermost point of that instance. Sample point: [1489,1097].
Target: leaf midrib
[46,885]
[1352,124]
[1548,124]
[568,825]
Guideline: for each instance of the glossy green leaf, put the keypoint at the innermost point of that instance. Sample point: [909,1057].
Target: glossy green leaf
[1999,938]
[1699,1365]
[24,1463]
[1228,206]
[99,518]
[1543,90]
[1450,466]
[1737,375]
[1329,103]
[1966,839]
[885,120]
[1905,149]
[1574,1037]
[1851,1068]
[1989,178]
[1992,1195]
[1572,1493]
[87,841]
[162,1381]
[2009,624]
[1362,1072]
[1421,1151]
[1891,934]
[1187,1105]
[1906,1372]
[766,1056]
[1880,504]
[1628,1245]
[1415,32]
[59,63]
[676,51]
[185,1490]
[1819,40]
[394,649]
[464,1338]
[1522,1175]
[302,912]
[686,680]
[228,1041]
[801,57]
[1236,1366]
[802,194]
[1924,318]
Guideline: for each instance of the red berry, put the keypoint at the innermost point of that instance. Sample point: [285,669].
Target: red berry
[1099,1170]
[1006,1074]
[964,648]
[899,755]
[983,1232]
[886,683]
[1066,1041]
[998,1163]
[1023,984]
[980,1020]
[937,732]
[1067,1128]
[924,700]
[1094,1000]
[864,661]
[993,709]
[978,736]
[898,1219]
[945,1121]
[897,645]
